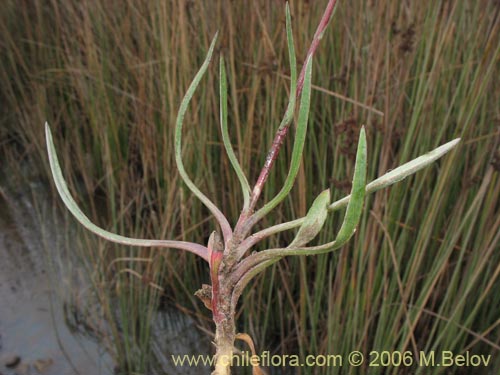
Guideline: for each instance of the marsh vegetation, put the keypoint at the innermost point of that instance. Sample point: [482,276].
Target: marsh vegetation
[422,271]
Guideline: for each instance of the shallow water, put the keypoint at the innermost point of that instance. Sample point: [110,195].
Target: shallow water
[32,323]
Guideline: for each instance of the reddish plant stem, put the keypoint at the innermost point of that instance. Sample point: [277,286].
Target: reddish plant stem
[215,261]
[271,157]
[282,132]
[327,16]
[215,247]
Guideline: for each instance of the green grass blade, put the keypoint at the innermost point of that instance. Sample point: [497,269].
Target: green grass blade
[70,203]
[245,187]
[226,228]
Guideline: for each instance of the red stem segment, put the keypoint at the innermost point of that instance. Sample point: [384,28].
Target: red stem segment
[327,16]
[282,132]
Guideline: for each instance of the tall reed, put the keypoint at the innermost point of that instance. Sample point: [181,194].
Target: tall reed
[109,76]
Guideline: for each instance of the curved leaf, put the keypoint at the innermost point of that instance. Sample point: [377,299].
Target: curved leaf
[288,117]
[355,206]
[245,187]
[219,216]
[70,203]
[400,172]
[259,261]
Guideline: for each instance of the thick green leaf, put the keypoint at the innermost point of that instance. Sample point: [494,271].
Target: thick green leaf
[314,220]
[386,180]
[400,172]
[354,209]
[353,213]
[355,206]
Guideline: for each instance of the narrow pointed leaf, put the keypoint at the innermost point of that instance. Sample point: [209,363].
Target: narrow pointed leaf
[226,228]
[314,220]
[245,187]
[400,172]
[288,117]
[355,206]
[386,180]
[70,203]
[280,134]
[351,219]
[261,259]
[298,146]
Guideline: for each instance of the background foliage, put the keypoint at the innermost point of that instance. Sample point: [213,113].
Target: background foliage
[423,270]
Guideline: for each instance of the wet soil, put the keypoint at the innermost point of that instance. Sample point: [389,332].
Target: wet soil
[34,273]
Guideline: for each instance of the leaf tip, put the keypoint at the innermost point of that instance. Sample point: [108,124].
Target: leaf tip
[362,132]
[327,195]
[47,130]
[212,45]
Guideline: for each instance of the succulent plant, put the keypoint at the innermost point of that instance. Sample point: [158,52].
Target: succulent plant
[230,262]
